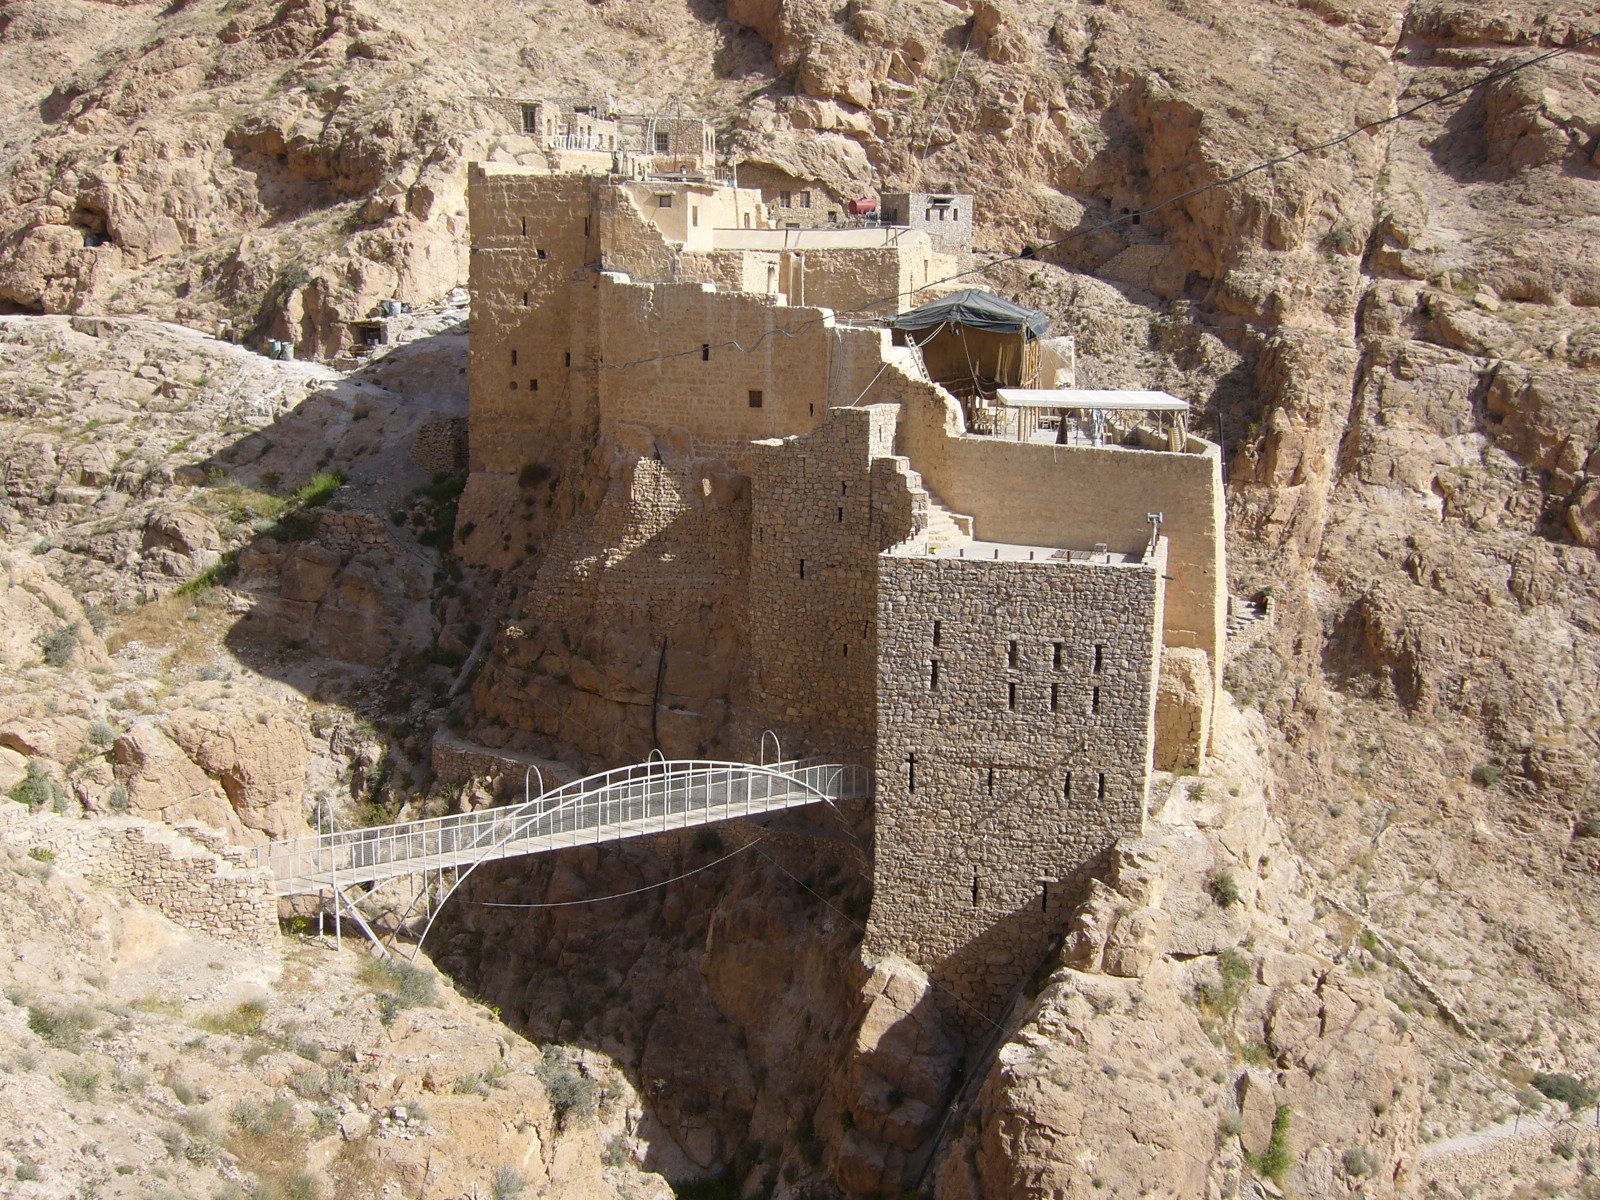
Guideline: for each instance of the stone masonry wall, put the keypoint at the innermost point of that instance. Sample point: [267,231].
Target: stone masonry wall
[858,281]
[186,872]
[822,507]
[1077,496]
[456,761]
[666,538]
[441,445]
[631,633]
[529,235]
[792,365]
[1004,778]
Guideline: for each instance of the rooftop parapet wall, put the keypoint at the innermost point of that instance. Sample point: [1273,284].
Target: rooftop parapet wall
[1081,496]
[794,364]
[1015,712]
[691,214]
[866,237]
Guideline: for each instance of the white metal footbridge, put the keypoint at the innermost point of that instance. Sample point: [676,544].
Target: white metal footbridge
[436,854]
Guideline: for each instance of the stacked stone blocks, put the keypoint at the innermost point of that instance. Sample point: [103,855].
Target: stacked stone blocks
[1015,705]
[188,873]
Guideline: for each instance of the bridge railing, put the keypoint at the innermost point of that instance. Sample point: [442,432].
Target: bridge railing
[624,802]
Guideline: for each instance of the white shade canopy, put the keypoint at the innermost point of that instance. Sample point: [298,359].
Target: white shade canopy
[1087,399]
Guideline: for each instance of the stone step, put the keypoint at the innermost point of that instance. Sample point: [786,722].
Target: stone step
[947,528]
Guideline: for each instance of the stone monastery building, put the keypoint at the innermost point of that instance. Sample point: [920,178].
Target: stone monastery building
[1008,601]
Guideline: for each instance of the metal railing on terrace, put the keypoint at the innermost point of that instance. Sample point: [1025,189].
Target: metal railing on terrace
[626,802]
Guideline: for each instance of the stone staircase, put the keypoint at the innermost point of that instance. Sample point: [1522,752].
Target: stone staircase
[1248,619]
[1244,613]
[946,528]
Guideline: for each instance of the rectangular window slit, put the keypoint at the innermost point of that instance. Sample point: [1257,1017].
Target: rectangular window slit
[1055,697]
[989,783]
[586,227]
[1011,695]
[802,568]
[524,226]
[1011,654]
[974,889]
[844,649]
[1044,895]
[524,299]
[933,675]
[1099,658]
[911,772]
[1066,786]
[513,358]
[1094,700]
[1100,785]
[705,351]
[938,627]
[841,515]
[1057,662]
[755,398]
[533,385]
[569,358]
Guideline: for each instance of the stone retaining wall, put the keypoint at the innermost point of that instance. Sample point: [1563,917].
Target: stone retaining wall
[441,445]
[1493,1158]
[347,533]
[456,761]
[187,872]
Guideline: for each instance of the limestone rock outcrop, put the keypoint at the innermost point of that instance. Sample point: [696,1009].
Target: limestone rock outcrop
[163,783]
[256,754]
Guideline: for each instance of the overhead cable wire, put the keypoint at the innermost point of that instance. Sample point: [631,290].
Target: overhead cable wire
[954,76]
[1033,252]
[639,891]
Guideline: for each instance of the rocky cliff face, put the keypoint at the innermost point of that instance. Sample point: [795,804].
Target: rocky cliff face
[1394,338]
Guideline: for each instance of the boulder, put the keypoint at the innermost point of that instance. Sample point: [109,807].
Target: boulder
[181,541]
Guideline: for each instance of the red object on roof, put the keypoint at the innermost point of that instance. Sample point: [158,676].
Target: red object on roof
[860,208]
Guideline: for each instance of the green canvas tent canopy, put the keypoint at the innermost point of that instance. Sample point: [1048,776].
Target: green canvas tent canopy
[976,310]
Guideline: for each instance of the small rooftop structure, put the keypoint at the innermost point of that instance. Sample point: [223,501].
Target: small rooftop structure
[588,136]
[945,216]
[1033,402]
[979,342]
